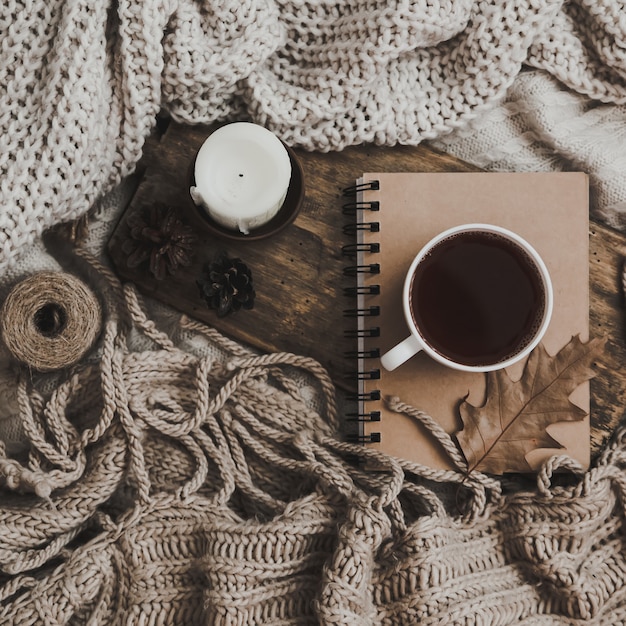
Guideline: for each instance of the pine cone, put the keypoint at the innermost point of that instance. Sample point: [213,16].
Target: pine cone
[227,285]
[161,238]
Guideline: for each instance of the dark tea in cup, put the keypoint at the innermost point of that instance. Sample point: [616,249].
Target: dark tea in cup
[477,297]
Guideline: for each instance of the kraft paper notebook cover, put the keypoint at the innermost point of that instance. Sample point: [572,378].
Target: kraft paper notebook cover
[549,210]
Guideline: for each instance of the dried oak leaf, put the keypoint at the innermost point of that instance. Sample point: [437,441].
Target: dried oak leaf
[497,436]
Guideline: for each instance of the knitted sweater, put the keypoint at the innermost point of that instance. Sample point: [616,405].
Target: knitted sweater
[82,82]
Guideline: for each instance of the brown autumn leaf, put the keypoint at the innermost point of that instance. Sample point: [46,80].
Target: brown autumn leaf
[497,436]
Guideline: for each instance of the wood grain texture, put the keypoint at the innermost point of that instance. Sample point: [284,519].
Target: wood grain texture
[298,273]
[607,250]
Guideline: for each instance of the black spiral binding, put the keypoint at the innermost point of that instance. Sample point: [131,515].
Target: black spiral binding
[362,221]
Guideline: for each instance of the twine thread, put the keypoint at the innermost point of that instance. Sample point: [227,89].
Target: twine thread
[50,320]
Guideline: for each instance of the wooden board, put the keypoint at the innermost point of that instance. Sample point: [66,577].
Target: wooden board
[298,273]
[607,251]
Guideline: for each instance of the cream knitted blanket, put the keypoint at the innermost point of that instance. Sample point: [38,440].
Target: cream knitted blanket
[81,81]
[166,482]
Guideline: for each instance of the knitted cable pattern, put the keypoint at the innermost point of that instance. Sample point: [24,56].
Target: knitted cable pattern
[540,126]
[80,84]
[164,487]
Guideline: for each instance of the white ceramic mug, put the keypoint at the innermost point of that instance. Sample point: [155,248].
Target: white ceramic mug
[532,263]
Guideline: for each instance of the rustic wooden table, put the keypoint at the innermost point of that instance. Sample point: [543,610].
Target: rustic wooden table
[298,273]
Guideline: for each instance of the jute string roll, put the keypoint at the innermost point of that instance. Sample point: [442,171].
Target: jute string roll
[50,320]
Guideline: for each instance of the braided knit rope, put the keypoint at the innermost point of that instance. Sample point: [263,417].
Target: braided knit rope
[166,487]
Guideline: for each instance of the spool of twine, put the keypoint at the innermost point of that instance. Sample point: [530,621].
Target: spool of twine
[50,320]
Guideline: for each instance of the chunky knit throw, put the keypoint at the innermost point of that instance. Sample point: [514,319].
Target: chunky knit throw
[177,478]
[167,485]
[81,82]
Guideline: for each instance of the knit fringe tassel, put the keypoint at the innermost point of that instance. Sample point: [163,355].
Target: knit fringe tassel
[163,487]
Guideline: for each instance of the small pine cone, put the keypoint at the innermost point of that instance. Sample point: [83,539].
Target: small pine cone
[159,237]
[227,285]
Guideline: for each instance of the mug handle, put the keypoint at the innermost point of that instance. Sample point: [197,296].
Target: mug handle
[400,353]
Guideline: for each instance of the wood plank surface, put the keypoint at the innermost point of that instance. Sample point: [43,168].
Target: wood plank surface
[298,273]
[607,251]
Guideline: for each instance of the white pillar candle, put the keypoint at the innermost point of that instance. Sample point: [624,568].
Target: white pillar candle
[242,174]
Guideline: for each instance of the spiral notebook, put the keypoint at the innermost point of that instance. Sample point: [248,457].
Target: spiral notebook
[395,214]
